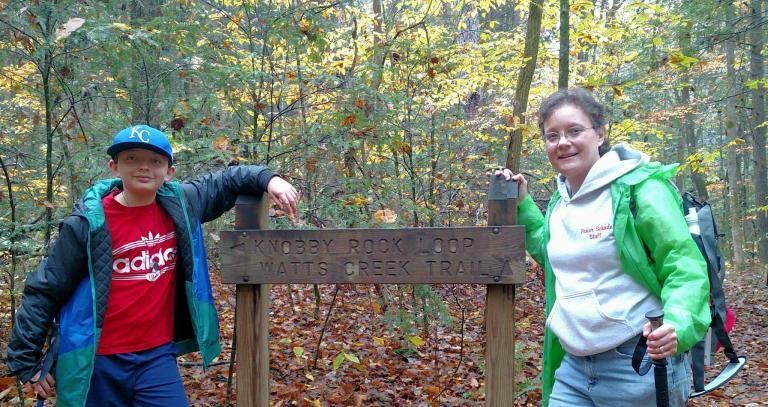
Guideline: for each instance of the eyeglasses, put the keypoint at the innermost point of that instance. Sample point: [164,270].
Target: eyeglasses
[570,134]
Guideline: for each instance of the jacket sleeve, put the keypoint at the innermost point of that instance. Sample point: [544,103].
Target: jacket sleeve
[213,194]
[678,263]
[46,290]
[529,215]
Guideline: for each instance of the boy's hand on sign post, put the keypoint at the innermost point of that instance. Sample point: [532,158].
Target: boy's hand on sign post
[42,388]
[285,195]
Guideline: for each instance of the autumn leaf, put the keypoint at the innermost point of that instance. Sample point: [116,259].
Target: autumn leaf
[349,120]
[337,361]
[351,357]
[618,91]
[310,165]
[379,340]
[416,340]
[376,307]
[405,148]
[177,123]
[221,143]
[360,103]
[68,28]
[384,216]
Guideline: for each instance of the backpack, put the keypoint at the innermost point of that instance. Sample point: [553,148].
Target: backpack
[701,223]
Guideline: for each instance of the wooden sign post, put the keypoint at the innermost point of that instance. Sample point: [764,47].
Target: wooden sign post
[253,258]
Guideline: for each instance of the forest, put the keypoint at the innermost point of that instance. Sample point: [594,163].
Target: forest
[384,114]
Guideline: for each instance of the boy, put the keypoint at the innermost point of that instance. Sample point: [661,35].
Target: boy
[127,279]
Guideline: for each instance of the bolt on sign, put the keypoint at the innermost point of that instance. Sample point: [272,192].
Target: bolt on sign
[478,255]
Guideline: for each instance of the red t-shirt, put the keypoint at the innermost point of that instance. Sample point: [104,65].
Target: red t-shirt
[142,292]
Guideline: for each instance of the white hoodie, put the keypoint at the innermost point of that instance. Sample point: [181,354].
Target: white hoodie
[598,306]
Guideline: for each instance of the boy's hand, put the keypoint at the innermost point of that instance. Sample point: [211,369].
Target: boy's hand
[285,195]
[42,388]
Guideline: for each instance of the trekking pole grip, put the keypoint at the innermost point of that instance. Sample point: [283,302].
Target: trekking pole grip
[656,318]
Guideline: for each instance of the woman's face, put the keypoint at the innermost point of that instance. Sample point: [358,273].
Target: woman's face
[571,143]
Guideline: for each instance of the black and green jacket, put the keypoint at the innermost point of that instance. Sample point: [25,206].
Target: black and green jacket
[72,284]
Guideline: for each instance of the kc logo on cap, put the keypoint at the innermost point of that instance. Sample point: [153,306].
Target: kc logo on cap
[136,131]
[141,136]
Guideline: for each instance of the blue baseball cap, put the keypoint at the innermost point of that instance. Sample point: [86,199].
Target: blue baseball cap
[141,136]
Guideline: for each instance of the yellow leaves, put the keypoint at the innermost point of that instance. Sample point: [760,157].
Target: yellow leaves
[237,18]
[415,340]
[590,39]
[68,28]
[121,26]
[357,200]
[305,25]
[384,216]
[121,94]
[313,402]
[657,41]
[379,340]
[677,59]
[183,107]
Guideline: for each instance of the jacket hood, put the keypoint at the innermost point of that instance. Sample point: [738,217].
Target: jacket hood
[620,160]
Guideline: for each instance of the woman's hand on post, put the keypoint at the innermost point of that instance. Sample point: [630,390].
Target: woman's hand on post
[42,388]
[285,195]
[522,184]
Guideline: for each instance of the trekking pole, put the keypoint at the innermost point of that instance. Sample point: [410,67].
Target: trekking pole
[656,318]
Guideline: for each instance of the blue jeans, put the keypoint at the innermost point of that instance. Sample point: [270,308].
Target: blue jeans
[146,378]
[607,379]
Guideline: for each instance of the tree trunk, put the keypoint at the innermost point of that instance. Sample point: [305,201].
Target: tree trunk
[142,79]
[532,36]
[562,79]
[760,177]
[732,133]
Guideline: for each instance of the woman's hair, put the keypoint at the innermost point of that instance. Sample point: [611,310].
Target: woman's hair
[582,99]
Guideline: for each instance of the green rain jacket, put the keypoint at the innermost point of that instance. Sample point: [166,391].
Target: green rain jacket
[676,272]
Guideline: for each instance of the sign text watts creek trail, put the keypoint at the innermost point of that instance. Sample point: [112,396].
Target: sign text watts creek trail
[485,255]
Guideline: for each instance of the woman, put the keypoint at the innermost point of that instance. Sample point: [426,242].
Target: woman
[607,265]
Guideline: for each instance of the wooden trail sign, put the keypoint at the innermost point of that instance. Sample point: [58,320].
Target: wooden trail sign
[480,255]
[253,258]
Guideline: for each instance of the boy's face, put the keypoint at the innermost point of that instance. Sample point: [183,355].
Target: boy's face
[142,171]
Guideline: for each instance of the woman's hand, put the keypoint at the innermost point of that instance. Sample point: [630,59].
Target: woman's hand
[522,184]
[662,342]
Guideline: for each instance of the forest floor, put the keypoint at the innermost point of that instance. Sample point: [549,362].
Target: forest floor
[402,365]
